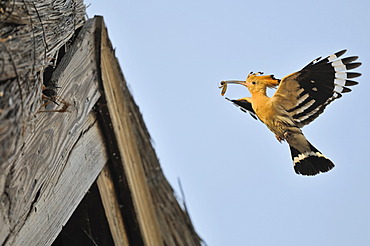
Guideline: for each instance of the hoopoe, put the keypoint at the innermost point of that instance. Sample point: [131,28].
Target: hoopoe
[299,99]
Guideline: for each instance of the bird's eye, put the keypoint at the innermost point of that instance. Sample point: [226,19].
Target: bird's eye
[254,82]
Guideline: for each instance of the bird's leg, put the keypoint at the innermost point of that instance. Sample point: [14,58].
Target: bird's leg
[286,134]
[279,138]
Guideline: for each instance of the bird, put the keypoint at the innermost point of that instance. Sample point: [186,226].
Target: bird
[299,99]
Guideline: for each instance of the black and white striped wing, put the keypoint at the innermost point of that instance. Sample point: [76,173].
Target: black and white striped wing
[244,106]
[317,85]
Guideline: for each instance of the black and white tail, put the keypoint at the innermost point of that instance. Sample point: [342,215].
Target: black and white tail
[310,162]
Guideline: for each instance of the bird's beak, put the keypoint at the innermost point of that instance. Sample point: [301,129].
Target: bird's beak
[223,84]
[232,82]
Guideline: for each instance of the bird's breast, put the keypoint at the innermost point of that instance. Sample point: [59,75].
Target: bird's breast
[264,110]
[273,116]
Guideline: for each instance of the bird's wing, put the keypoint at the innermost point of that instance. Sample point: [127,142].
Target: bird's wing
[245,105]
[306,93]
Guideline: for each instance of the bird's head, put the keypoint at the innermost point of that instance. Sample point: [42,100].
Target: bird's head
[254,82]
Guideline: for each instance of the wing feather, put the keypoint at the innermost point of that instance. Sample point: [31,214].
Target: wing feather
[245,105]
[306,93]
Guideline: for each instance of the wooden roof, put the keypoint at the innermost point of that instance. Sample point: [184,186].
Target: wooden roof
[50,159]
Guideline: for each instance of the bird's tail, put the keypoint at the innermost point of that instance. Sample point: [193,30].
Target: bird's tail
[310,162]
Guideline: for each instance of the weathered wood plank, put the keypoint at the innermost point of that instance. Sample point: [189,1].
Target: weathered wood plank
[63,152]
[118,99]
[45,156]
[61,194]
[111,207]
[32,32]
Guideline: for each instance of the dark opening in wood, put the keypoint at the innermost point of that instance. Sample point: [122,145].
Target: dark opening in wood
[88,224]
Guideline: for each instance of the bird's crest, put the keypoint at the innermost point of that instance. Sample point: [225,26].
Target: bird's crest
[269,80]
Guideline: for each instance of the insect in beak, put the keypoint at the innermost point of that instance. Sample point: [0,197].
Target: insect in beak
[223,85]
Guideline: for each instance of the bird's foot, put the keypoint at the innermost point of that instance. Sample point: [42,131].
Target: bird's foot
[286,134]
[279,138]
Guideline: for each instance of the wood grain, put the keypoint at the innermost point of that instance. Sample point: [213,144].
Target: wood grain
[112,208]
[49,145]
[61,194]
[117,97]
[62,153]
[32,33]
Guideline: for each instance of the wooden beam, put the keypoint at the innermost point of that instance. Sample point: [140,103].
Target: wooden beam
[111,207]
[32,33]
[117,97]
[61,155]
[62,192]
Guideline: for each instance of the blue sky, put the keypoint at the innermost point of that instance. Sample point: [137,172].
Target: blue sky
[239,182]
